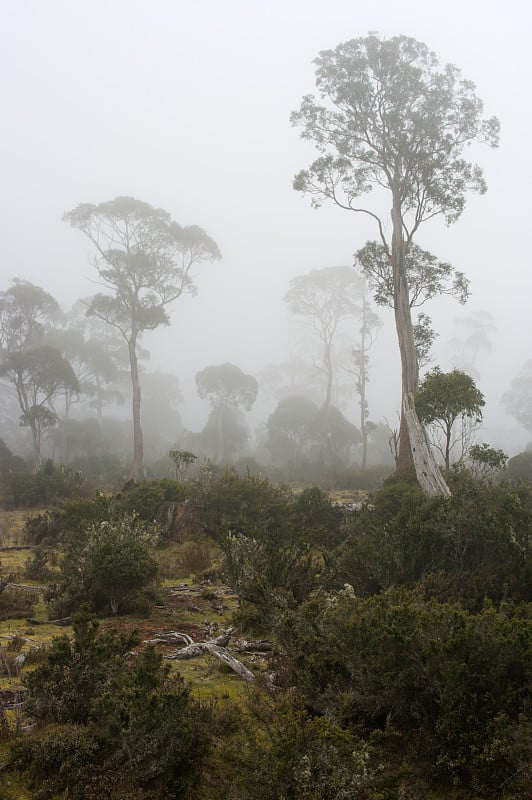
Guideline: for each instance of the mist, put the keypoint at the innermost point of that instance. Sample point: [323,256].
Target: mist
[186,107]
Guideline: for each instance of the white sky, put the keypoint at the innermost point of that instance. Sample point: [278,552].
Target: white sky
[186,105]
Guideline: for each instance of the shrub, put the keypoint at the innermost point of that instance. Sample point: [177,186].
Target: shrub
[55,759]
[314,517]
[147,498]
[250,505]
[53,527]
[74,672]
[48,486]
[108,565]
[519,467]
[15,601]
[473,545]
[279,750]
[452,685]
[36,567]
[110,726]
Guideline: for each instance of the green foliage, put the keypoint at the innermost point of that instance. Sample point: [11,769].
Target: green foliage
[486,462]
[249,504]
[110,565]
[146,499]
[281,751]
[520,467]
[472,545]
[52,527]
[452,685]
[445,401]
[48,486]
[37,567]
[315,518]
[154,727]
[430,114]
[75,672]
[110,726]
[15,601]
[56,758]
[448,396]
[277,563]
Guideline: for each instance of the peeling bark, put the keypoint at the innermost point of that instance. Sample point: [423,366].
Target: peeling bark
[427,471]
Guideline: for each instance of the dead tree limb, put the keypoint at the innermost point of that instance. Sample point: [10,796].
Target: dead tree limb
[215,647]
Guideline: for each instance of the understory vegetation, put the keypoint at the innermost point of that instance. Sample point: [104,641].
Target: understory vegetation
[385,645]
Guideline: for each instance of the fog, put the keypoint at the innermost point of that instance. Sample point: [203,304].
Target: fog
[186,106]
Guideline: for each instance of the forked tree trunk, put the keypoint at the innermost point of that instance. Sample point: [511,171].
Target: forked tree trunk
[413,444]
[137,468]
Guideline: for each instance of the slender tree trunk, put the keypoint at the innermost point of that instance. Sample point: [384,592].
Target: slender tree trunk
[413,444]
[330,375]
[36,438]
[99,403]
[363,425]
[220,436]
[362,380]
[137,468]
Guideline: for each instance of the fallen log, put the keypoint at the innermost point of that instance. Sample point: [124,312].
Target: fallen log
[62,623]
[215,647]
[26,587]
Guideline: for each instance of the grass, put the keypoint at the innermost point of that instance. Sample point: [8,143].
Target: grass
[203,608]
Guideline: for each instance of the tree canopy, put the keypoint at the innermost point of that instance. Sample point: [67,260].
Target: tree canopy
[33,369]
[145,261]
[443,400]
[391,118]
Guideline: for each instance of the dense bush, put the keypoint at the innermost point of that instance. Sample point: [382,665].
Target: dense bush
[452,686]
[473,545]
[519,467]
[48,486]
[279,750]
[147,498]
[15,601]
[109,565]
[249,505]
[53,527]
[272,541]
[110,726]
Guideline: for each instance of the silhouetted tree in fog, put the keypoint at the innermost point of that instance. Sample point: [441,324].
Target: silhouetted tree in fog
[37,372]
[145,260]
[227,389]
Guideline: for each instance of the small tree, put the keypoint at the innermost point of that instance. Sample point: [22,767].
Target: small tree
[451,405]
[486,462]
[182,460]
[145,260]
